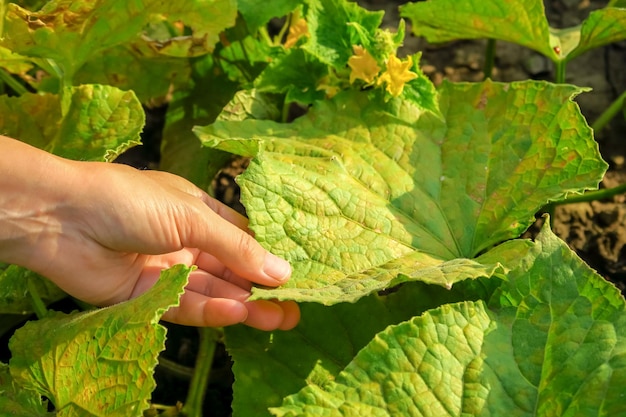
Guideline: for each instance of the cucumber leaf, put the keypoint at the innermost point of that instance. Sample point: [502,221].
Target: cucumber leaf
[13,62]
[602,27]
[360,195]
[136,67]
[14,293]
[90,123]
[18,402]
[72,34]
[552,341]
[98,362]
[335,26]
[517,21]
[257,14]
[271,366]
[296,73]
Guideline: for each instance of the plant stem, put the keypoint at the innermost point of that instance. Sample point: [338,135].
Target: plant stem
[560,72]
[266,36]
[591,196]
[15,85]
[176,369]
[197,388]
[490,57]
[609,113]
[285,111]
[281,34]
[38,305]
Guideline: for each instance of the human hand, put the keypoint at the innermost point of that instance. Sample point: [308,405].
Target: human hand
[103,232]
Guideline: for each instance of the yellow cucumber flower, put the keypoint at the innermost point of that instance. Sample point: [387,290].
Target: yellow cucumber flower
[363,65]
[397,74]
[297,29]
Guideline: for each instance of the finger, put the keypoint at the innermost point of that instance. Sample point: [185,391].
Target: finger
[212,265]
[264,315]
[201,311]
[272,315]
[238,251]
[227,213]
[204,283]
[291,314]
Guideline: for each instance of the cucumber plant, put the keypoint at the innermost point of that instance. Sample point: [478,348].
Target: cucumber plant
[399,205]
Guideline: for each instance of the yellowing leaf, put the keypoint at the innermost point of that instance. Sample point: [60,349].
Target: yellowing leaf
[397,74]
[70,34]
[97,363]
[326,85]
[91,122]
[360,195]
[363,65]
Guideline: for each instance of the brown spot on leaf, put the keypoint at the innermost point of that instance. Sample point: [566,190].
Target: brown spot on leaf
[482,102]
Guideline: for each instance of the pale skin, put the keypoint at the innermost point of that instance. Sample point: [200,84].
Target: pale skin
[103,232]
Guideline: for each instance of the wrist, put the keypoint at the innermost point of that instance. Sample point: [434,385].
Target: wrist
[33,187]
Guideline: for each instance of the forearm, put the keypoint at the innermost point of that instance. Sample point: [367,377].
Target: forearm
[32,187]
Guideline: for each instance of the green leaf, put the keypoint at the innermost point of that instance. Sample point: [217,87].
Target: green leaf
[560,342]
[14,294]
[360,195]
[335,26]
[421,91]
[72,34]
[244,59]
[296,73]
[270,366]
[250,104]
[551,343]
[517,21]
[18,402]
[93,123]
[257,14]
[600,28]
[136,67]
[14,63]
[415,368]
[97,363]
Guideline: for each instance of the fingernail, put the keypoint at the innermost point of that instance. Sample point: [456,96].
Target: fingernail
[276,267]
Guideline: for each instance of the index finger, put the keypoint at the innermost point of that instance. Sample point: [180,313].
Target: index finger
[214,228]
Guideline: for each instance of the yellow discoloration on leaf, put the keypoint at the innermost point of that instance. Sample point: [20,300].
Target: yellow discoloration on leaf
[363,65]
[397,74]
[298,29]
[326,84]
